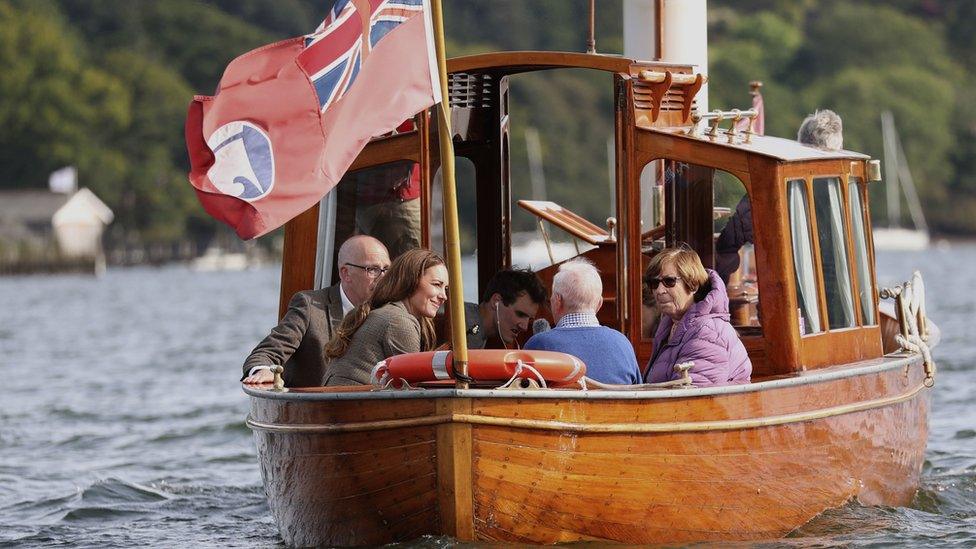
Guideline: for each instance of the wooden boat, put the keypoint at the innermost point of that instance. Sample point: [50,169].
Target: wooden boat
[830,414]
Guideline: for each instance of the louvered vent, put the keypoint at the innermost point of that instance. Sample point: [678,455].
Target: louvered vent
[673,99]
[472,90]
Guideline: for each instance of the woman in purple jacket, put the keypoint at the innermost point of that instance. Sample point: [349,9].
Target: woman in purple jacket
[694,322]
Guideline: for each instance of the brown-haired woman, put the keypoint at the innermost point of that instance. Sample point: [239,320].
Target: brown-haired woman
[395,320]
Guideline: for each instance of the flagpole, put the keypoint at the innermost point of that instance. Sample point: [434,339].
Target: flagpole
[452,241]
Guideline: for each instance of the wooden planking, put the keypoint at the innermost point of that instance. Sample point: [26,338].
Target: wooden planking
[848,345]
[656,489]
[367,445]
[326,517]
[351,488]
[593,506]
[755,482]
[300,412]
[750,441]
[660,466]
[735,406]
[842,466]
[509,515]
[454,484]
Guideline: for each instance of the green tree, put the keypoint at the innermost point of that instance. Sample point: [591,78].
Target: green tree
[155,198]
[57,109]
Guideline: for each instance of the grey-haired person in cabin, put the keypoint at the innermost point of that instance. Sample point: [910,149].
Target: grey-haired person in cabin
[824,130]
[298,341]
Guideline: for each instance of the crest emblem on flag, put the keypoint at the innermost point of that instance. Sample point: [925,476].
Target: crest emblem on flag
[243,161]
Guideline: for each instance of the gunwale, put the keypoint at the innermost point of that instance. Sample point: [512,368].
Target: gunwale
[865,367]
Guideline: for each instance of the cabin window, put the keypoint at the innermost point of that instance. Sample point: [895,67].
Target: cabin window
[709,210]
[465,178]
[807,297]
[832,235]
[862,260]
[652,236]
[735,258]
[381,201]
[561,169]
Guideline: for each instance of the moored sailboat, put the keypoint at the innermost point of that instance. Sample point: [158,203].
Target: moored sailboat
[899,180]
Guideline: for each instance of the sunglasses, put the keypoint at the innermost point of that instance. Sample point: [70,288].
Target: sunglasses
[669,281]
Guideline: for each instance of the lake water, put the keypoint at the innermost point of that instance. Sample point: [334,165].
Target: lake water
[122,420]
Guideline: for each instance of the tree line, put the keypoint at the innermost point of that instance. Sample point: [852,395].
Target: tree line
[104,86]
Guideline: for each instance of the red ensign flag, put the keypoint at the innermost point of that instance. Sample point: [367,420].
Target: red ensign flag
[289,118]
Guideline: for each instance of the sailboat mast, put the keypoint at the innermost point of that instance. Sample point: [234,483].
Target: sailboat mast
[537,174]
[891,169]
[911,196]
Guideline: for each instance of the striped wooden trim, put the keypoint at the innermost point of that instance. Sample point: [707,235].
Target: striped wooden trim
[677,427]
[547,425]
[354,427]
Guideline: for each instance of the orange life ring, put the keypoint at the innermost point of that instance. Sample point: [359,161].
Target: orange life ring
[558,369]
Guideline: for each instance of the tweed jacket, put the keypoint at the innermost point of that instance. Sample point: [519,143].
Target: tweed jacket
[299,341]
[387,331]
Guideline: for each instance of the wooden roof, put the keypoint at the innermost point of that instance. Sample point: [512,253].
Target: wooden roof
[787,150]
[510,62]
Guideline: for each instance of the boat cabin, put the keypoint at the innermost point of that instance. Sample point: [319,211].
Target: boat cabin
[800,275]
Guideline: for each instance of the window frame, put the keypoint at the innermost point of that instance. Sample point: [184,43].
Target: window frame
[844,180]
[861,186]
[821,302]
[845,239]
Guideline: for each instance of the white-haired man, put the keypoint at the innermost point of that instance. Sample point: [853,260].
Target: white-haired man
[298,341]
[577,295]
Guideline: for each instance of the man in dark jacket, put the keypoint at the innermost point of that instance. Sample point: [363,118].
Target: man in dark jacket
[299,340]
[512,299]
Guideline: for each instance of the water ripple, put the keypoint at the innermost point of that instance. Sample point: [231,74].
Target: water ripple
[130,432]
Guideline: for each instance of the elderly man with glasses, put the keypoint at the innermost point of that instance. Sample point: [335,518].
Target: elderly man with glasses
[298,341]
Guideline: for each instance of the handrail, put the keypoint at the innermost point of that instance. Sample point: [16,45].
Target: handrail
[577,427]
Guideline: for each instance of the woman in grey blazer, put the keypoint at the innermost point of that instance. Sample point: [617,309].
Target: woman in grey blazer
[396,320]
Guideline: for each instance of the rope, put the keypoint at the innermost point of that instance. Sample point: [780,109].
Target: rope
[910,305]
[519,366]
[380,381]
[915,344]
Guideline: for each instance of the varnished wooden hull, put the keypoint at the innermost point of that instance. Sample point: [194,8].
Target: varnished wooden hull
[733,463]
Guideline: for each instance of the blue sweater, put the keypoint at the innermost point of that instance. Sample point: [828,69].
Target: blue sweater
[608,356]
